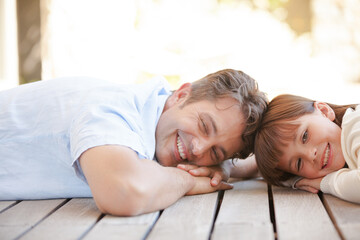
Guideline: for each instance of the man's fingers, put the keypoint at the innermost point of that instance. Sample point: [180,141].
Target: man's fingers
[225,186]
[216,179]
[186,167]
[201,172]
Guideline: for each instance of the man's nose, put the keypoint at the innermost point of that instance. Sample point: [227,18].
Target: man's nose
[199,146]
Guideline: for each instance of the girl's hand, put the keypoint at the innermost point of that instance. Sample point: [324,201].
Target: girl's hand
[310,185]
[217,173]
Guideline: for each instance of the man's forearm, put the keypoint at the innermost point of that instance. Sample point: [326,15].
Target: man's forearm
[123,184]
[162,186]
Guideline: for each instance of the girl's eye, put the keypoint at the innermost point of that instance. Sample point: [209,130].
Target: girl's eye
[298,164]
[305,136]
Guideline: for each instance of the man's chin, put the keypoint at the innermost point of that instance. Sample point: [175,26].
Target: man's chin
[162,161]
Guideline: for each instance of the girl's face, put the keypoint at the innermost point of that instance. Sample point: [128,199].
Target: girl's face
[315,150]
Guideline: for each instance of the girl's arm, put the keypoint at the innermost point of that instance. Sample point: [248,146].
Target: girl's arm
[345,183]
[310,185]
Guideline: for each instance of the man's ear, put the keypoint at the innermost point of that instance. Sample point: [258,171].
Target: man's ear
[325,109]
[180,95]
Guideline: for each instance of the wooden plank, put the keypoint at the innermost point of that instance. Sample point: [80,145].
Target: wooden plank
[191,217]
[112,227]
[301,215]
[5,204]
[345,214]
[71,221]
[244,212]
[24,216]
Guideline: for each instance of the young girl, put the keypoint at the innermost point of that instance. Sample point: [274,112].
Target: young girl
[317,141]
[302,143]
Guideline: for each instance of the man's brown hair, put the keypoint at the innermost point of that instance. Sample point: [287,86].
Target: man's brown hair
[241,87]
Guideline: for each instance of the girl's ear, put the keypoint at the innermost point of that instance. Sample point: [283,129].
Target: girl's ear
[179,95]
[325,109]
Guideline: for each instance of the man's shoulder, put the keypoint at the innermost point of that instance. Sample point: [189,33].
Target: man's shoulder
[159,84]
[152,92]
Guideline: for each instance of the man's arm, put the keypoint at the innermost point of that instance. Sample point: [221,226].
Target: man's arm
[123,184]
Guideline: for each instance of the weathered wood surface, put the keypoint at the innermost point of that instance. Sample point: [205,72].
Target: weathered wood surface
[24,216]
[189,218]
[111,227]
[70,221]
[301,215]
[244,213]
[345,215]
[252,210]
[6,204]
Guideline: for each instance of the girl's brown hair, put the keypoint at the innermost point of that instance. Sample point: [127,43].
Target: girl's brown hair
[277,127]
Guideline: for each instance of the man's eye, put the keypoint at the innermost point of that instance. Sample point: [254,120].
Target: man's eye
[305,137]
[298,164]
[216,155]
[204,126]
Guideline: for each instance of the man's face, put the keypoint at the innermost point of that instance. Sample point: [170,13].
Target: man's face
[203,133]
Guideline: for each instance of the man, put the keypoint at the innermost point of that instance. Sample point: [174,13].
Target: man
[62,138]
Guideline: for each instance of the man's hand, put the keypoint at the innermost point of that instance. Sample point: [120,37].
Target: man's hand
[237,168]
[310,185]
[217,173]
[202,185]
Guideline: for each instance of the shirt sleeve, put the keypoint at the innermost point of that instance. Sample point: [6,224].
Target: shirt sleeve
[345,183]
[103,125]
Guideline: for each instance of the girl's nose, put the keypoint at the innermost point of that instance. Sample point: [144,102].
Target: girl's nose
[311,153]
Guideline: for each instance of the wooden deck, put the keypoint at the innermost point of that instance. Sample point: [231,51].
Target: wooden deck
[250,211]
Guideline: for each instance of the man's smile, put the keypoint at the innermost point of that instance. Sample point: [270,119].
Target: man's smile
[181,148]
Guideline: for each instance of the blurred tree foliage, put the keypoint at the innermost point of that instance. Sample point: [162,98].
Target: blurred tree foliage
[29,40]
[296,13]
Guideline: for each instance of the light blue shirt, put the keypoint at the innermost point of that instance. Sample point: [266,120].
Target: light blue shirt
[45,127]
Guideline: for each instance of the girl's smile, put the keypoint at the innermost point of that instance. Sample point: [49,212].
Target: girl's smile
[326,160]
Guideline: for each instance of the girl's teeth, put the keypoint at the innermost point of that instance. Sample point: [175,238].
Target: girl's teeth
[326,159]
[180,149]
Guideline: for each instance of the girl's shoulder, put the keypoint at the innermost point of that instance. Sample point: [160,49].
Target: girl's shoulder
[350,137]
[351,115]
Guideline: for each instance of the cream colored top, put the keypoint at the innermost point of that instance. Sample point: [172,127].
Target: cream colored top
[345,183]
